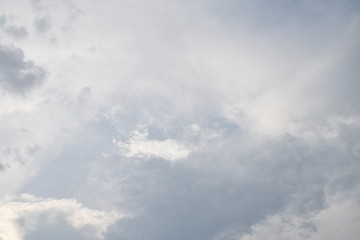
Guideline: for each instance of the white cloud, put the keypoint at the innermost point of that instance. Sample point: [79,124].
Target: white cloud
[140,146]
[339,220]
[24,214]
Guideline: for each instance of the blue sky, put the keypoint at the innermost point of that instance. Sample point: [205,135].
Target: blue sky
[222,120]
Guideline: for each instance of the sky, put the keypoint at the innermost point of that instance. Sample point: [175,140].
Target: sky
[176,119]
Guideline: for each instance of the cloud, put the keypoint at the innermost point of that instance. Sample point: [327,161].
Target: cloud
[139,146]
[18,75]
[204,120]
[23,215]
[2,20]
[2,167]
[228,189]
[338,220]
[42,24]
[18,32]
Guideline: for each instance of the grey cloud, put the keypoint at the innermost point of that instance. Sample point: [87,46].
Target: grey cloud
[18,32]
[18,155]
[33,150]
[344,77]
[2,167]
[57,229]
[15,153]
[42,24]
[228,187]
[18,75]
[37,4]
[2,20]
[84,95]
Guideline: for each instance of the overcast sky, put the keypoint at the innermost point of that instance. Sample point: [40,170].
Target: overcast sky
[176,119]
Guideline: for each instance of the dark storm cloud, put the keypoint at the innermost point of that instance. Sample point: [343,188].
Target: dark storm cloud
[18,75]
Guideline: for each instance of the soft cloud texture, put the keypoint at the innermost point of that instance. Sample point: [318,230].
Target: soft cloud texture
[17,32]
[140,146]
[25,214]
[198,119]
[336,222]
[17,74]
